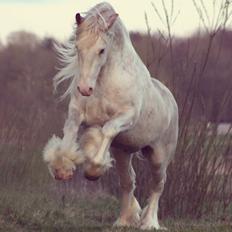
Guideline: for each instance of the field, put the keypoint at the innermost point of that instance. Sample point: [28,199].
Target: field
[36,211]
[30,200]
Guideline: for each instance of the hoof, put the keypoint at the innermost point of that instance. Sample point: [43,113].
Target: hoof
[149,224]
[91,178]
[152,227]
[121,223]
[63,177]
[132,221]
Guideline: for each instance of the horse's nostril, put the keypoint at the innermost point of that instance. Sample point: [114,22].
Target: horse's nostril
[90,90]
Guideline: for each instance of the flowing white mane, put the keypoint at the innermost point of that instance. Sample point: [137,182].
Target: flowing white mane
[94,23]
[67,57]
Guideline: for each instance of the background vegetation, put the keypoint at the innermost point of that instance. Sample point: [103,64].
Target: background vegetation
[198,70]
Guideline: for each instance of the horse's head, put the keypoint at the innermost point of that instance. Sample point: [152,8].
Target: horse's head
[93,43]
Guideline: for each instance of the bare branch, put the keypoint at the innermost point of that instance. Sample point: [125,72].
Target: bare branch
[199,11]
[157,13]
[205,11]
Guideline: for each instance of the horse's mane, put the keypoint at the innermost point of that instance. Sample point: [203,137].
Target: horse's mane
[67,53]
[67,57]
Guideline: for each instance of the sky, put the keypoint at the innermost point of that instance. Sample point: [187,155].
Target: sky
[56,17]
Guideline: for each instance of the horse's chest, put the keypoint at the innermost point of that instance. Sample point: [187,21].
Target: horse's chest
[98,111]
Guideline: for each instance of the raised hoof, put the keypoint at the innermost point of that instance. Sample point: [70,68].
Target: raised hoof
[91,178]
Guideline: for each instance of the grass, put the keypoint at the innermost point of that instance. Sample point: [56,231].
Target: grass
[25,210]
[30,200]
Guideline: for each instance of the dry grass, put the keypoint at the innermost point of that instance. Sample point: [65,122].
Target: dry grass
[40,211]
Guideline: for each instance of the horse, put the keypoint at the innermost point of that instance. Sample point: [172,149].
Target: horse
[110,87]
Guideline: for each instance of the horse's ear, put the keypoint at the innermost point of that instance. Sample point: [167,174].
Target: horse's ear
[79,19]
[111,20]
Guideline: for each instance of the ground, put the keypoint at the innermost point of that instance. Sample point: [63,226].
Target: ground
[37,211]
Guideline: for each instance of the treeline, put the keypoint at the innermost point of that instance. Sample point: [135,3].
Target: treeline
[27,65]
[198,69]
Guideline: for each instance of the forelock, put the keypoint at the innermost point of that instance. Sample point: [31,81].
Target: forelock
[94,23]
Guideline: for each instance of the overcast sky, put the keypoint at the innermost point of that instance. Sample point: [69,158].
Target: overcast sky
[56,17]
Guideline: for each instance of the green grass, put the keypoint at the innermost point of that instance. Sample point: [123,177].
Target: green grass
[25,210]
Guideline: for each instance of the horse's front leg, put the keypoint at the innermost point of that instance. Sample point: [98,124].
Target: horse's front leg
[61,155]
[123,122]
[71,127]
[69,146]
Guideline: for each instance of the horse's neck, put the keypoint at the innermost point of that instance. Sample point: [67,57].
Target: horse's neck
[122,50]
[122,42]
[122,61]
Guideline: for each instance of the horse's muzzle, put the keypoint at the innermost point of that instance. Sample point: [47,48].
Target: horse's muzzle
[85,91]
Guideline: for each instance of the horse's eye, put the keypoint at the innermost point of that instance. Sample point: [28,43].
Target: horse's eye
[101,51]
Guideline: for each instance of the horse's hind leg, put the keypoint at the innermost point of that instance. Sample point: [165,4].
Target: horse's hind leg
[158,157]
[130,209]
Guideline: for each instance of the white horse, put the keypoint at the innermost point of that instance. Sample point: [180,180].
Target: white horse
[111,88]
